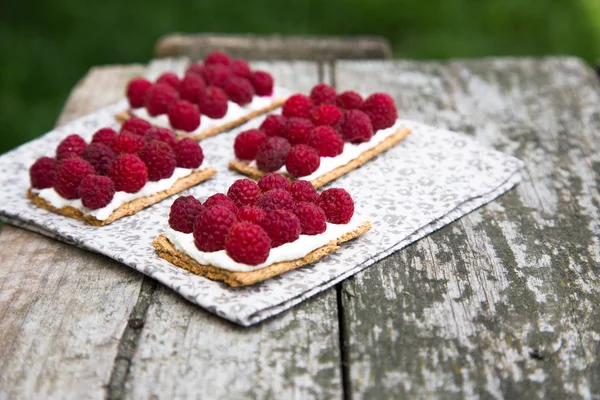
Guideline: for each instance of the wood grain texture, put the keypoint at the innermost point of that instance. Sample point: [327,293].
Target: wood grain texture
[505,302]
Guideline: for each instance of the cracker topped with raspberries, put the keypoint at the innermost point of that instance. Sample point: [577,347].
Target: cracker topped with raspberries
[117,174]
[211,97]
[258,230]
[319,137]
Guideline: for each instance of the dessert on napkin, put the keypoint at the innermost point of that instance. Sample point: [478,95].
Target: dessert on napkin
[258,230]
[212,97]
[320,137]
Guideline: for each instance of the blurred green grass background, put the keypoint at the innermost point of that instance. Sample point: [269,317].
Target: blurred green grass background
[47,46]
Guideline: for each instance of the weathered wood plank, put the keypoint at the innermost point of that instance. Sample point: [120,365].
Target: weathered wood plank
[503,303]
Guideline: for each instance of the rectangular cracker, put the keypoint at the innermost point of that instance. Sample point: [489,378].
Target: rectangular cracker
[203,134]
[129,208]
[166,250]
[245,168]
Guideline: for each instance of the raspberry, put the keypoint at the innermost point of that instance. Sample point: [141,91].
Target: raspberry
[312,218]
[213,102]
[69,174]
[297,130]
[239,90]
[211,228]
[273,181]
[195,69]
[104,136]
[100,156]
[248,243]
[96,191]
[136,125]
[297,105]
[274,125]
[252,214]
[159,98]
[216,75]
[159,160]
[356,127]
[271,154]
[247,143]
[217,57]
[43,173]
[191,86]
[262,82]
[277,199]
[129,173]
[136,90]
[303,191]
[188,153]
[381,109]
[302,160]
[71,146]
[244,192]
[326,114]
[184,116]
[127,142]
[219,199]
[161,134]
[322,94]
[326,140]
[338,205]
[169,78]
[349,100]
[282,227]
[184,212]
[240,68]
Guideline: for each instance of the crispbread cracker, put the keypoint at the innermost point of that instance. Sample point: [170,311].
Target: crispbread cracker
[128,208]
[244,167]
[167,251]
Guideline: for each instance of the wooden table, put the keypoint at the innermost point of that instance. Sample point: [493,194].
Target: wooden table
[504,302]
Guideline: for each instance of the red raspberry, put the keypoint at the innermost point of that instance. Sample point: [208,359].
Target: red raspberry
[216,75]
[129,173]
[184,116]
[349,100]
[71,146]
[239,90]
[188,153]
[69,174]
[273,181]
[274,125]
[276,199]
[303,191]
[247,143]
[297,130]
[302,160]
[195,69]
[326,140]
[326,114]
[244,192]
[322,94]
[136,125]
[247,243]
[217,57]
[338,205]
[211,228]
[219,199]
[240,68]
[262,82]
[127,142]
[312,218]
[252,214]
[271,154]
[161,134]
[191,86]
[297,105]
[282,227]
[159,160]
[159,98]
[213,102]
[356,127]
[136,90]
[96,191]
[169,78]
[43,173]
[104,136]
[184,212]
[381,109]
[100,156]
